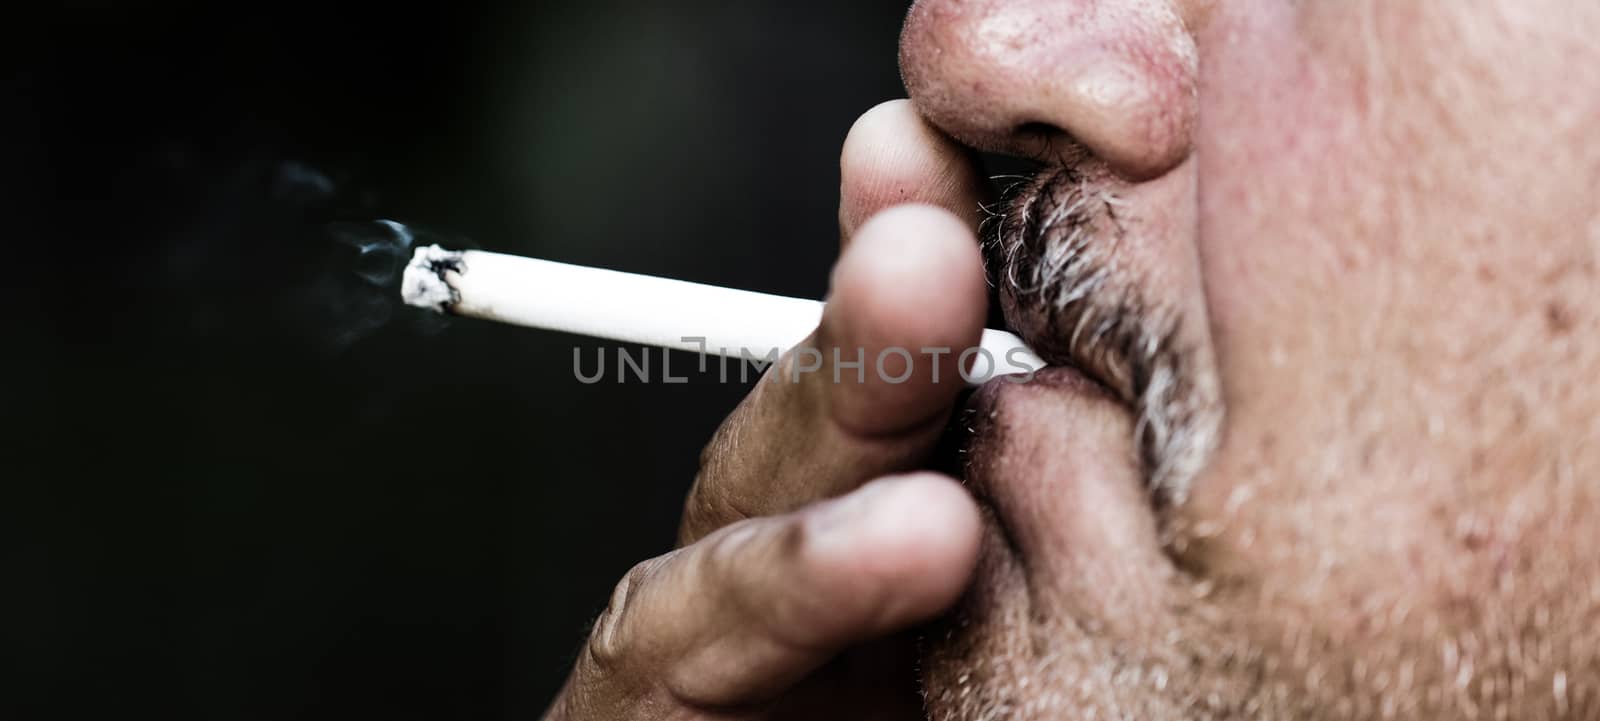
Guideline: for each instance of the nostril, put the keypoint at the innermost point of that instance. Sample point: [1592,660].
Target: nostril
[1037,130]
[1049,143]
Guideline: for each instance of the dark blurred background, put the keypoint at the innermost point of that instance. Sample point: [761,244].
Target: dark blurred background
[237,482]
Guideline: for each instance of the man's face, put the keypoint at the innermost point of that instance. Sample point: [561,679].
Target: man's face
[1329,271]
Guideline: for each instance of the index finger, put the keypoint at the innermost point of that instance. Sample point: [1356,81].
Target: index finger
[910,280]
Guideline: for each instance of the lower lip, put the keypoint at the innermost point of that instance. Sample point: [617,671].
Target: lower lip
[1057,379]
[975,408]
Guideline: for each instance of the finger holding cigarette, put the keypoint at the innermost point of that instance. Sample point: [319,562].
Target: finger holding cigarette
[909,277]
[863,383]
[885,357]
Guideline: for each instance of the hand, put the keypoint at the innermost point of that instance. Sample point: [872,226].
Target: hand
[796,569]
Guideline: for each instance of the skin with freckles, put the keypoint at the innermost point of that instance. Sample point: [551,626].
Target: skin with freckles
[1317,282]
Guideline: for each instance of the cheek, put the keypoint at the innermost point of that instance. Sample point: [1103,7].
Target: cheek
[1394,454]
[1296,261]
[1281,146]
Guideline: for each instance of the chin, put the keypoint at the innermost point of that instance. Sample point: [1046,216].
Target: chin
[1008,652]
[1005,654]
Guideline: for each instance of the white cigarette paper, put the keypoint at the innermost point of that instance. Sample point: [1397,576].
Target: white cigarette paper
[646,309]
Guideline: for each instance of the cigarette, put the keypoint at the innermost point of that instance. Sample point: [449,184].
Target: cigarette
[650,310]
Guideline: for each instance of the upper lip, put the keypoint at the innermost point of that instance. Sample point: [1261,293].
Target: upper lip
[1093,331]
[1074,270]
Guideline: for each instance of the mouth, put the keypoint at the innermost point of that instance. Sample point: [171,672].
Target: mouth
[1070,562]
[1063,252]
[1074,469]
[974,425]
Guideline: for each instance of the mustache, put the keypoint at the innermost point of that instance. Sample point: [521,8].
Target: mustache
[1051,252]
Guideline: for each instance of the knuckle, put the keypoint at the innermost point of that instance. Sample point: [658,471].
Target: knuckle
[611,643]
[721,554]
[761,567]
[793,616]
[736,561]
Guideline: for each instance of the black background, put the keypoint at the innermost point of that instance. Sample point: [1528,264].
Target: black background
[230,491]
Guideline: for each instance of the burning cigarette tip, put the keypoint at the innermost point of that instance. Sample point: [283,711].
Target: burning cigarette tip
[424,284]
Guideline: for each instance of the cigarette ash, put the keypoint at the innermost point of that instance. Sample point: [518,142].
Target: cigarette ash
[368,263]
[424,284]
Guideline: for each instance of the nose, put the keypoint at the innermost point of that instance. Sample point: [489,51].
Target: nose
[1039,78]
